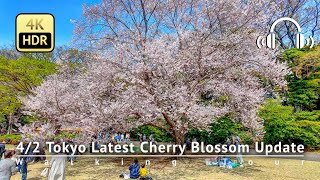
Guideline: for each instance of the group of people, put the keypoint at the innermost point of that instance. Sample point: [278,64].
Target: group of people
[109,136]
[12,163]
[8,166]
[235,140]
[143,138]
[188,142]
[137,171]
[121,137]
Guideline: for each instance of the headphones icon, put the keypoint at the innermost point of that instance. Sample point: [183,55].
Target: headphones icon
[271,38]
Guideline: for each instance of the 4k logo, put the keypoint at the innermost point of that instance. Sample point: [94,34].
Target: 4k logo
[38,24]
[35,32]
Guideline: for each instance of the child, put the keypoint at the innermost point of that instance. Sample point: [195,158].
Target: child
[143,172]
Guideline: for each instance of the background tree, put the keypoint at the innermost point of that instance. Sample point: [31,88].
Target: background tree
[18,78]
[299,120]
[305,12]
[304,84]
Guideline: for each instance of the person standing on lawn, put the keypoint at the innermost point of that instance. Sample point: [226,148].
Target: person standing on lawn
[57,167]
[144,138]
[127,137]
[7,166]
[24,161]
[239,153]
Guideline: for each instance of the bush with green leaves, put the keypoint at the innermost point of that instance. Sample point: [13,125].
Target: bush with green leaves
[220,131]
[158,134]
[304,83]
[283,124]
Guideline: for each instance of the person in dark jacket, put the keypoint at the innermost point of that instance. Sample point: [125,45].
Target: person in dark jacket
[134,169]
[2,149]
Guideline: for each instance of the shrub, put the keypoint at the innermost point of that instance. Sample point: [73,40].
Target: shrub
[200,135]
[246,137]
[307,115]
[223,128]
[220,131]
[281,124]
[158,134]
[307,133]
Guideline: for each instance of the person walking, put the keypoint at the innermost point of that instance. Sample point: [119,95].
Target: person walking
[25,160]
[57,168]
[7,166]
[24,168]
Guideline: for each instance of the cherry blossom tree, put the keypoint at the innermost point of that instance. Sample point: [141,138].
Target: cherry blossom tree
[172,64]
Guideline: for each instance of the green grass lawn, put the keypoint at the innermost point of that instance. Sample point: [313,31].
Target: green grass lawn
[9,146]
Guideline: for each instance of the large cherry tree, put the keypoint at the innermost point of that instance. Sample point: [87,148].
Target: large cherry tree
[174,64]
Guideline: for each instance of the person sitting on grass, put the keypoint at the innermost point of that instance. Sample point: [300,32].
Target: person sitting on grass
[134,169]
[143,172]
[7,166]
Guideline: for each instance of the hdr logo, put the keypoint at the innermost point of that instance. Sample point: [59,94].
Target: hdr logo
[35,32]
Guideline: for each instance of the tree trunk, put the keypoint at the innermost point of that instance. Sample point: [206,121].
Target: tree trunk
[10,124]
[179,140]
[177,133]
[179,137]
